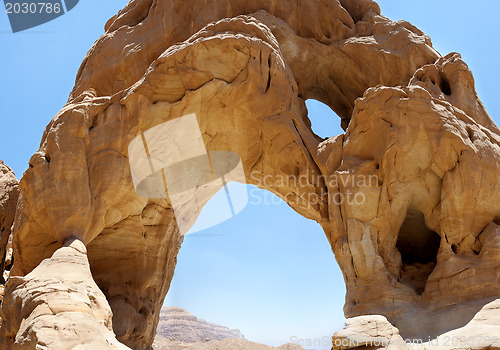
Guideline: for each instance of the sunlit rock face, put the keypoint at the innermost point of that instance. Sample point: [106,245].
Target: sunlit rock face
[408,196]
[426,238]
[9,193]
[58,305]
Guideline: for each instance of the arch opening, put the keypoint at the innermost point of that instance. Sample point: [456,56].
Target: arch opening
[324,121]
[264,267]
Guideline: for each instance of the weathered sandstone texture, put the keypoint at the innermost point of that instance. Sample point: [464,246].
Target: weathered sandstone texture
[9,193]
[375,331]
[422,247]
[58,306]
[368,331]
[427,237]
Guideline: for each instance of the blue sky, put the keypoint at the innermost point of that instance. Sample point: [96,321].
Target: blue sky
[267,271]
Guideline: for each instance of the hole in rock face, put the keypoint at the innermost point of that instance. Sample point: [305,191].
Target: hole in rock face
[470,134]
[324,121]
[445,86]
[418,246]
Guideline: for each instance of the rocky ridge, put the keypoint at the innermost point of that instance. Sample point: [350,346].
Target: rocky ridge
[177,324]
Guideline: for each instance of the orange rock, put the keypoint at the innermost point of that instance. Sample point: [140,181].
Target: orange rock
[408,196]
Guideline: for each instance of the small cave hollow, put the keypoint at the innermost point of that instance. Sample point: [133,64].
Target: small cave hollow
[445,86]
[418,246]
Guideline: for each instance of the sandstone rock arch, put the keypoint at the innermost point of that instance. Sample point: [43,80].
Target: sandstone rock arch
[412,119]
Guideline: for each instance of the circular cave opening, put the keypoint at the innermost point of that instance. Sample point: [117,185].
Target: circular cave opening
[324,121]
[418,246]
[266,271]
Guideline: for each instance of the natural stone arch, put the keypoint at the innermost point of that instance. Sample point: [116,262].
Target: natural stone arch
[256,69]
[158,97]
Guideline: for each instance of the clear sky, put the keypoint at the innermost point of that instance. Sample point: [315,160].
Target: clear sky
[267,271]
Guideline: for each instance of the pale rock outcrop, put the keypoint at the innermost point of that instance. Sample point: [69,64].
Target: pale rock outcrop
[372,331]
[57,306]
[9,193]
[481,332]
[422,246]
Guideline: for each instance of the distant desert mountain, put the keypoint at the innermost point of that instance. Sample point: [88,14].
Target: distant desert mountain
[179,325]
[237,344]
[180,330]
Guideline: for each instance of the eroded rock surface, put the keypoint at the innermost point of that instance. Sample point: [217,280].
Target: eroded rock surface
[426,238]
[421,248]
[372,331]
[9,193]
[482,331]
[57,306]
